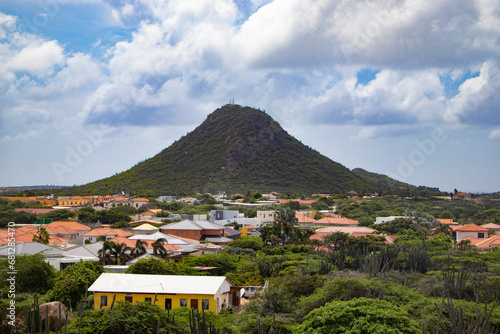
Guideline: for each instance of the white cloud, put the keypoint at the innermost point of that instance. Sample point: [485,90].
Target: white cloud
[494,134]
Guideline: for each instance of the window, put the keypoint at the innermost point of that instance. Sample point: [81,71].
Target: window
[128,298]
[184,302]
[147,299]
[195,233]
[168,303]
[182,232]
[480,235]
[187,233]
[204,304]
[104,300]
[177,232]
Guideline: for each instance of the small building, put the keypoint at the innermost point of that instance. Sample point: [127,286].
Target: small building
[145,229]
[138,202]
[224,215]
[469,230]
[204,293]
[382,220]
[462,196]
[105,233]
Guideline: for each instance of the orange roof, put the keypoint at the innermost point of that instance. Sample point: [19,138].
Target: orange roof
[493,241]
[60,230]
[108,196]
[106,231]
[70,224]
[26,229]
[140,199]
[304,219]
[471,228]
[446,221]
[338,221]
[120,199]
[461,194]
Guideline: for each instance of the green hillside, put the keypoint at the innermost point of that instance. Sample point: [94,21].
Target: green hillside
[235,149]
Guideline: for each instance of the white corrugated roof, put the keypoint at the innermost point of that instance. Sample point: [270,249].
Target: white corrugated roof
[134,283]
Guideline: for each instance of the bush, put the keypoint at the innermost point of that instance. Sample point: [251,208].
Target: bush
[358,316]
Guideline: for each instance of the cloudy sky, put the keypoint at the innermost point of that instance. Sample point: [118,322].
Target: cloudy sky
[406,88]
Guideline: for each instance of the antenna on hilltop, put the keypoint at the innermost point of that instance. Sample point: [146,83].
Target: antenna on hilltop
[231,101]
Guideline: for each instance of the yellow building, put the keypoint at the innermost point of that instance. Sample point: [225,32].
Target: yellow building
[208,293]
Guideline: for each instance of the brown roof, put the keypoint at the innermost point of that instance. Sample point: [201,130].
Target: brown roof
[446,221]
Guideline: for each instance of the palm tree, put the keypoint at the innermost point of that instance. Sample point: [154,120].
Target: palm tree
[158,248]
[336,240]
[105,252]
[284,220]
[41,236]
[443,228]
[119,251]
[140,248]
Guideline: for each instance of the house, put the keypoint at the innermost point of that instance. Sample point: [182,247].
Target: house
[492,227]
[304,219]
[145,229]
[105,233]
[79,228]
[202,231]
[338,221]
[485,244]
[446,221]
[224,215]
[138,202]
[350,230]
[167,199]
[204,293]
[382,220]
[469,230]
[462,196]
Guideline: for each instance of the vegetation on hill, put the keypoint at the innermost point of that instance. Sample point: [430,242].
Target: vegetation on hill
[235,149]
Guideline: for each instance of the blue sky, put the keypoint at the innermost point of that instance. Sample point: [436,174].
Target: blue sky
[403,88]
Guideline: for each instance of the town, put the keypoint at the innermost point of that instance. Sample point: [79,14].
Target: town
[245,255]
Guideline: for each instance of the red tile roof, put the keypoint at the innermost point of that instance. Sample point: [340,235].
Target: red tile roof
[106,231]
[338,221]
[71,224]
[471,228]
[140,199]
[304,219]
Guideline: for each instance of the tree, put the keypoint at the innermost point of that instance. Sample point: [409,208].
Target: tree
[41,236]
[33,274]
[150,266]
[359,315]
[443,228]
[59,214]
[111,250]
[140,248]
[158,248]
[336,240]
[73,282]
[251,242]
[284,221]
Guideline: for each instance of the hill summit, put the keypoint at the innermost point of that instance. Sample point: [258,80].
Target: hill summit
[235,149]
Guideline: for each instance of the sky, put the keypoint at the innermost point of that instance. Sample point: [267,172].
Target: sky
[405,88]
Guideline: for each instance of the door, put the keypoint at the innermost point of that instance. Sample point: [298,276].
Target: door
[194,303]
[168,304]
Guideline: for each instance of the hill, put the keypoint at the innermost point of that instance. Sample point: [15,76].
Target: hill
[235,149]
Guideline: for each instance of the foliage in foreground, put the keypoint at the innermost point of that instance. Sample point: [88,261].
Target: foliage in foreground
[360,315]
